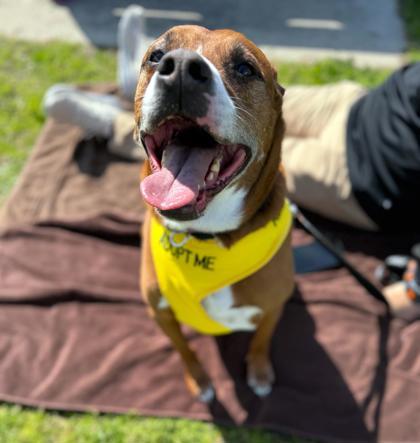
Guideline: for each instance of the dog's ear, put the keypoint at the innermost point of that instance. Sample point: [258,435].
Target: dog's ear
[280,89]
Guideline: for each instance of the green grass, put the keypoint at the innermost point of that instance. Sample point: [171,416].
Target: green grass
[26,71]
[410,13]
[329,71]
[19,425]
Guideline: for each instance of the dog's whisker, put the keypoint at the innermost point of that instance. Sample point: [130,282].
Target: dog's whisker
[240,109]
[244,111]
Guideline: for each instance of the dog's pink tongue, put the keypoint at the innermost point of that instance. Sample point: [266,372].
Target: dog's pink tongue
[177,184]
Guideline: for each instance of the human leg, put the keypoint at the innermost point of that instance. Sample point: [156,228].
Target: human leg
[316,165]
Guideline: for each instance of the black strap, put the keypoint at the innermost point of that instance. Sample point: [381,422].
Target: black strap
[311,229]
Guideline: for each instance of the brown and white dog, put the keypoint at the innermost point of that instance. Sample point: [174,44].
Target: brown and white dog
[214,92]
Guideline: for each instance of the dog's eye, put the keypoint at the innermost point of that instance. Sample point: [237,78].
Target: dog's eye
[156,56]
[245,69]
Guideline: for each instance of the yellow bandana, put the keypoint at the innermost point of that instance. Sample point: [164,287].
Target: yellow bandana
[189,269]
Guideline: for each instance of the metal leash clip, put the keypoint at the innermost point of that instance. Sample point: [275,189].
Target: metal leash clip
[178,244]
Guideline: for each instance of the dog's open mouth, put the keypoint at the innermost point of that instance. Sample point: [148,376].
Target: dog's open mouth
[189,166]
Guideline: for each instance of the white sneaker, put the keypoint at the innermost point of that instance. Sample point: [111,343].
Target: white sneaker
[95,113]
[131,48]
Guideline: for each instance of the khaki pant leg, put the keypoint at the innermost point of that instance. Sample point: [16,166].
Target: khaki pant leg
[316,167]
[307,110]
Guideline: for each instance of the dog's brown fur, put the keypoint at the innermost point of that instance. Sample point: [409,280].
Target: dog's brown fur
[272,285]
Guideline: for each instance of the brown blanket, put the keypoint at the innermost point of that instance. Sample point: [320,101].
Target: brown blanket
[74,334]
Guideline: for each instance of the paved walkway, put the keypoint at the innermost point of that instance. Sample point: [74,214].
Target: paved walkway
[368,31]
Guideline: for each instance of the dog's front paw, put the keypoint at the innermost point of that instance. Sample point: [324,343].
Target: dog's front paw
[207,394]
[260,377]
[199,384]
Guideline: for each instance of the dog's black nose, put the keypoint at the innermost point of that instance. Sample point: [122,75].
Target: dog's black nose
[183,83]
[186,70]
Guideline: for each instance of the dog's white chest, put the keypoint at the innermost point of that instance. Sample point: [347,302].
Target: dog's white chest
[219,306]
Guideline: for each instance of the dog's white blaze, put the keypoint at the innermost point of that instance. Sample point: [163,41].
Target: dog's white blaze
[221,114]
[223,213]
[149,101]
[219,306]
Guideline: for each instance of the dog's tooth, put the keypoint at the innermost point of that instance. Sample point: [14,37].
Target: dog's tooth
[210,176]
[164,157]
[215,166]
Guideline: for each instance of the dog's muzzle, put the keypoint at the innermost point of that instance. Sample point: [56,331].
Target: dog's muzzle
[187,119]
